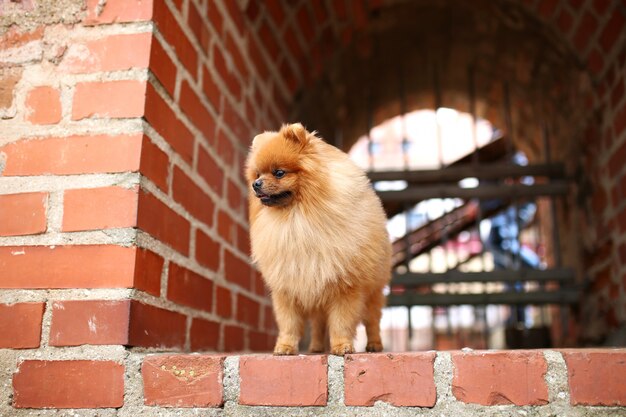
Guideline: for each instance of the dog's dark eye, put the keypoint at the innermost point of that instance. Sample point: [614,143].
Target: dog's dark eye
[279,173]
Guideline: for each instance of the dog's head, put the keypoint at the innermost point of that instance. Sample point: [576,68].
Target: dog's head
[274,167]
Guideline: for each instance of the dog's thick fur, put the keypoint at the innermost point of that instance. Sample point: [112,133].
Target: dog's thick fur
[319,238]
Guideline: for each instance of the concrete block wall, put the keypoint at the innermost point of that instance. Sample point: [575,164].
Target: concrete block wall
[457,383]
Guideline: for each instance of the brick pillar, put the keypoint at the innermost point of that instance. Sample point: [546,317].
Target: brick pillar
[122,202]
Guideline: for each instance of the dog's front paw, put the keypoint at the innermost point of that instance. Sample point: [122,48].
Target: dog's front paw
[342,349]
[374,347]
[284,349]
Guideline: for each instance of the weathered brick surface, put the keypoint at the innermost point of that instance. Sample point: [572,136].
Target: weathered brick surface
[400,379]
[68,384]
[188,288]
[110,99]
[152,326]
[99,208]
[596,377]
[89,322]
[486,378]
[100,266]
[72,155]
[111,53]
[44,104]
[183,380]
[20,325]
[283,381]
[23,214]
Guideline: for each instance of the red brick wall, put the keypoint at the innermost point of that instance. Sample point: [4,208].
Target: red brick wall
[126,126]
[474,382]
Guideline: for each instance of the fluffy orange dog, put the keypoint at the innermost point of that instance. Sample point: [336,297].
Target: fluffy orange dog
[319,238]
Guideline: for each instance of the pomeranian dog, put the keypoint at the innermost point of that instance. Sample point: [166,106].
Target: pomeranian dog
[319,238]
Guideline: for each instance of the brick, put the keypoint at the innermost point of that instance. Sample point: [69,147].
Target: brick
[586,28]
[99,208]
[170,29]
[319,11]
[211,91]
[340,10]
[207,251]
[68,384]
[292,43]
[89,322]
[155,327]
[243,240]
[154,163]
[231,81]
[616,160]
[619,124]
[248,310]
[283,381]
[109,99]
[100,266]
[254,52]
[198,28]
[163,67]
[235,197]
[305,22]
[196,201]
[226,227]
[72,155]
[233,338]
[183,380]
[261,341]
[210,171]
[232,118]
[223,302]
[612,30]
[565,21]
[188,288]
[23,214]
[236,15]
[259,285]
[252,10]
[498,378]
[270,322]
[167,124]
[8,81]
[148,268]
[112,53]
[546,8]
[159,220]
[215,17]
[403,380]
[586,368]
[235,53]
[595,61]
[204,335]
[20,325]
[43,105]
[288,76]
[268,39]
[118,11]
[236,270]
[194,109]
[225,148]
[276,11]
[16,37]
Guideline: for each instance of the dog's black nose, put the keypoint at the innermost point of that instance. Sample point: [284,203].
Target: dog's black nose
[257,184]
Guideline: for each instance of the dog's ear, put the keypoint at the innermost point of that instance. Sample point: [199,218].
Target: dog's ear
[295,133]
